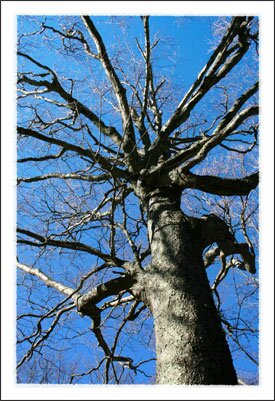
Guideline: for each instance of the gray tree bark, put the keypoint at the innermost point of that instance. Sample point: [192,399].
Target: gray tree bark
[190,342]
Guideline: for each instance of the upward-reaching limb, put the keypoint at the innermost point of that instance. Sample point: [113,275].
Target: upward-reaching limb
[128,141]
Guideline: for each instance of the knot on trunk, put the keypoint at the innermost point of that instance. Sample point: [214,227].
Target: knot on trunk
[165,198]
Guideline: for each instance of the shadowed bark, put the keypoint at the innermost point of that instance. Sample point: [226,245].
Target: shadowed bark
[191,345]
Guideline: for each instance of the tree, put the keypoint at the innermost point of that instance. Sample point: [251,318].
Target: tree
[117,173]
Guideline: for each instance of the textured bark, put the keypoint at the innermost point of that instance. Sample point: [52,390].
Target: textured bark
[190,343]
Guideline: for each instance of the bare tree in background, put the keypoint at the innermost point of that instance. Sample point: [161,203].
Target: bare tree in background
[125,200]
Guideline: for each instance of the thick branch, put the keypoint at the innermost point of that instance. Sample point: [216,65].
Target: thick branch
[149,81]
[217,67]
[218,136]
[209,75]
[116,172]
[105,290]
[68,176]
[188,158]
[45,67]
[218,185]
[139,120]
[210,256]
[215,230]
[72,102]
[128,143]
[87,306]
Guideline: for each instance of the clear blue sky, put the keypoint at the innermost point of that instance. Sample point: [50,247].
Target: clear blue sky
[183,53]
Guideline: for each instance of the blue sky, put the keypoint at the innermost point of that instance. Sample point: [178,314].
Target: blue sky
[184,53]
[265,9]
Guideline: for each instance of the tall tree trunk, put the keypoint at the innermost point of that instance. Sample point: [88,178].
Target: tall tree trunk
[190,343]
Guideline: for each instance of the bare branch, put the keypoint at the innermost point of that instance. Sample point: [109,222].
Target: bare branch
[72,102]
[68,176]
[218,136]
[215,230]
[42,158]
[128,142]
[116,172]
[72,35]
[210,75]
[105,290]
[78,246]
[199,150]
[218,185]
[49,281]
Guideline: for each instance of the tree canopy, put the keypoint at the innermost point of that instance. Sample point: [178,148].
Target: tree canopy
[110,111]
